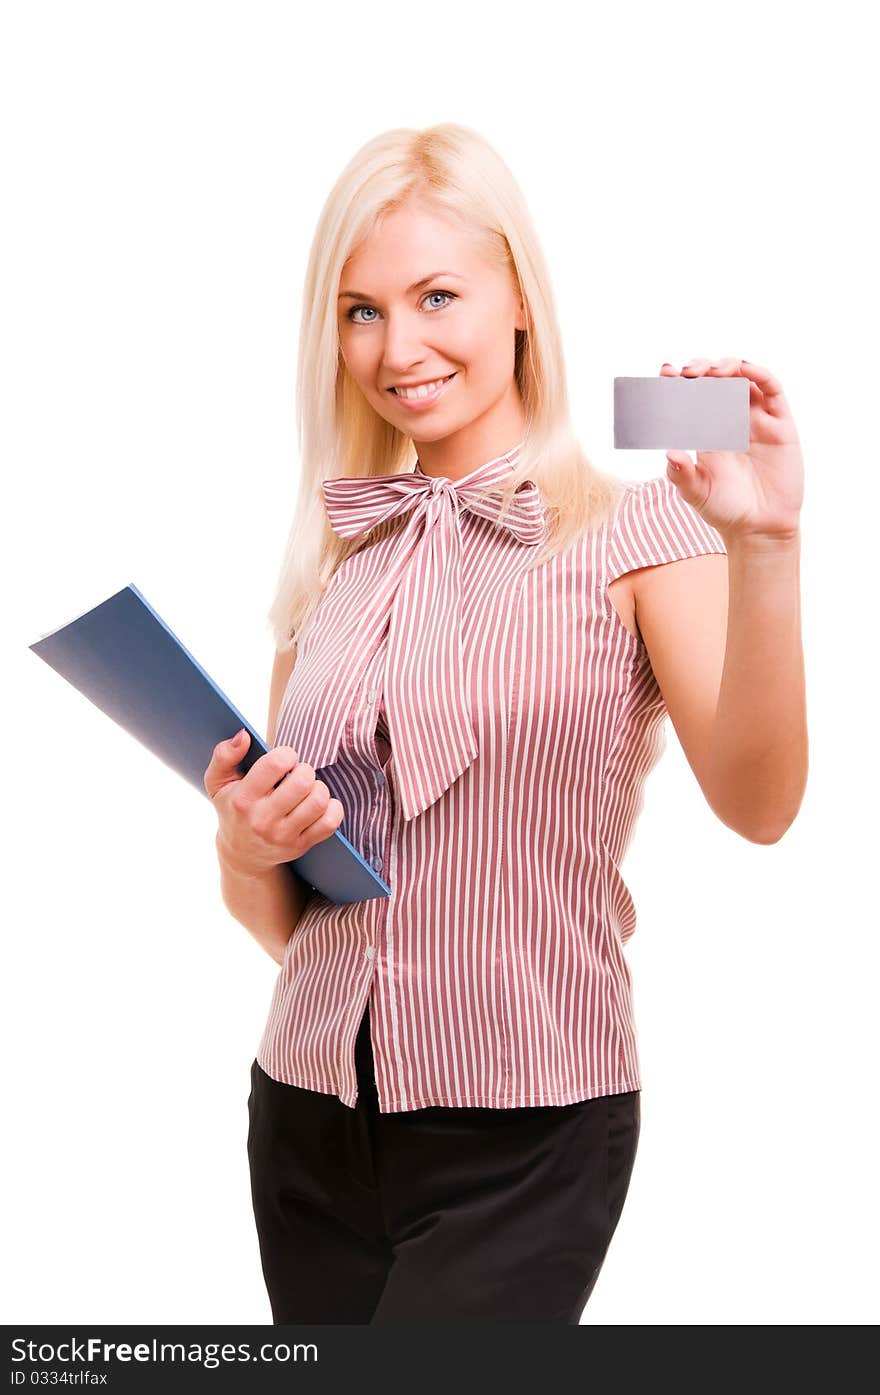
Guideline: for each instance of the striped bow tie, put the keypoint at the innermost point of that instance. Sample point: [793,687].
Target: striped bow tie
[418,597]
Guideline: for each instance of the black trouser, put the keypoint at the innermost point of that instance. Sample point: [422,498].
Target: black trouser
[443,1214]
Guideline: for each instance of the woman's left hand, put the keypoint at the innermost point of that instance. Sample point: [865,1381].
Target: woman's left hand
[753,493]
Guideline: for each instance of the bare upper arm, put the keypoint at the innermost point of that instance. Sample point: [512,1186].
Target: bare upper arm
[681,611]
[281,671]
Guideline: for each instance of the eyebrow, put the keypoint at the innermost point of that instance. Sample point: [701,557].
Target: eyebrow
[416,286]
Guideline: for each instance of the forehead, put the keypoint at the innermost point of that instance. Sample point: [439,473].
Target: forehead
[411,242]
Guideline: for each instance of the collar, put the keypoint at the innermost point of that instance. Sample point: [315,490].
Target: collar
[418,597]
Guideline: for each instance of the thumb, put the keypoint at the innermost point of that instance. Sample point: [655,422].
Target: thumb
[682,471]
[225,757]
[236,746]
[678,458]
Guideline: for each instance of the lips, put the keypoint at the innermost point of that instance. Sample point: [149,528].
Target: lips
[441,381]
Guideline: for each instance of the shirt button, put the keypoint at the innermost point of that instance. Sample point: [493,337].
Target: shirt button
[370,951]
[377,864]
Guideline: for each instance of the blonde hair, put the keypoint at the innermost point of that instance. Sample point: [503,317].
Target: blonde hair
[453,169]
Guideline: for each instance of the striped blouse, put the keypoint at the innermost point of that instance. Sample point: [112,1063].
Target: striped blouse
[488,731]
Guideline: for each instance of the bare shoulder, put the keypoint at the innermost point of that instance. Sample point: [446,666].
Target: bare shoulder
[670,578]
[282,668]
[670,589]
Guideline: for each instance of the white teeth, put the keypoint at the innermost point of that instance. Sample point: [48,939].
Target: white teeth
[424,391]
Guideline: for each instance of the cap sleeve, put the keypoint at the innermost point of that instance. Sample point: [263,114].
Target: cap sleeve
[654,524]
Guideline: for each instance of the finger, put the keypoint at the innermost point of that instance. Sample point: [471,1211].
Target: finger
[696,368]
[774,402]
[296,793]
[731,368]
[322,828]
[231,750]
[686,478]
[271,768]
[225,757]
[764,390]
[312,821]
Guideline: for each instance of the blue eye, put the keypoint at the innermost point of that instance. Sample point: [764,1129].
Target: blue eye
[450,295]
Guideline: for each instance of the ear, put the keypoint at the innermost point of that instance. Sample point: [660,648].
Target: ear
[520,321]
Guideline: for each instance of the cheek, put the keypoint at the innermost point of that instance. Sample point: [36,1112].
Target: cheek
[480,349]
[471,341]
[357,359]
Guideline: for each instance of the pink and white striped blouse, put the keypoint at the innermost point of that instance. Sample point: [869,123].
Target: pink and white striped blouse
[488,731]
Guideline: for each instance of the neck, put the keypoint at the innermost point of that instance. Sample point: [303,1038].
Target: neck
[489,436]
[464,466]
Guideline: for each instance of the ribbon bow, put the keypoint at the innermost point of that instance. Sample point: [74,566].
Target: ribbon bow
[418,596]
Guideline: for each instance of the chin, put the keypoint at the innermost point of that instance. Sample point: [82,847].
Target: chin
[435,433]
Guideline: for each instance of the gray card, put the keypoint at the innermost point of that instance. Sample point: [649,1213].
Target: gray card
[674,413]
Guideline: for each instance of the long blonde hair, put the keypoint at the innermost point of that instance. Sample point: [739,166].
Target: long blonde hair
[455,170]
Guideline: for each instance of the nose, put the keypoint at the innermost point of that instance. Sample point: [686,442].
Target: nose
[403,350]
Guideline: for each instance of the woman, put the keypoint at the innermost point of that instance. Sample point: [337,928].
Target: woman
[479,636]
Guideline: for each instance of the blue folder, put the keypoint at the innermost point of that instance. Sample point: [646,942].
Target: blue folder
[124,658]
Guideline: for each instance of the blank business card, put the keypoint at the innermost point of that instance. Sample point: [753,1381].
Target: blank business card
[674,413]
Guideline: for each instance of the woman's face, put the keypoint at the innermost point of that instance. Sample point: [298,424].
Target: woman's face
[458,324]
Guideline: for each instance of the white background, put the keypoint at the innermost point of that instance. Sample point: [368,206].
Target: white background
[700,177]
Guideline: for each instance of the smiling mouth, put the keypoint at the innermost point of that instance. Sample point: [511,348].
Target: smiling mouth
[413,395]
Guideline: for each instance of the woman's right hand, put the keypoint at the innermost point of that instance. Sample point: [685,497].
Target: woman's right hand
[261,826]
